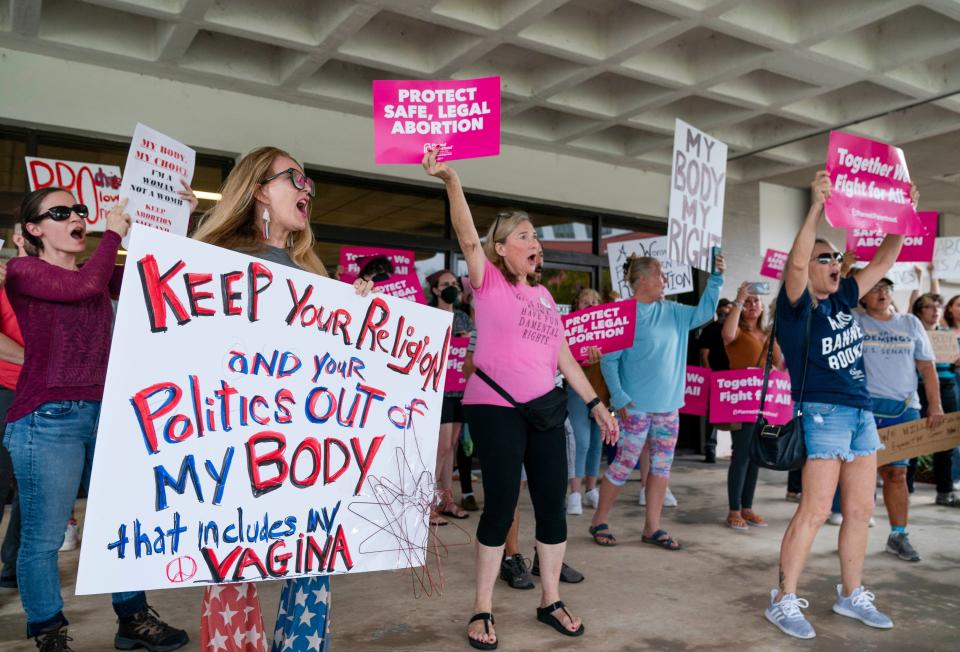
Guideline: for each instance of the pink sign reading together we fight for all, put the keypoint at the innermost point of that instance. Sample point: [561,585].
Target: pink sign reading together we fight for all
[773,264]
[735,396]
[696,392]
[610,326]
[455,381]
[870,186]
[916,248]
[391,270]
[460,116]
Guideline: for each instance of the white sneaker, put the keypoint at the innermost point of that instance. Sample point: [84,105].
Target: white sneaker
[872,522]
[71,538]
[643,497]
[592,498]
[669,500]
[835,518]
[788,617]
[575,504]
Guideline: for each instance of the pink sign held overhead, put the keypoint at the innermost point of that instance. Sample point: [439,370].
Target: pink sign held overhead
[773,263]
[696,392]
[457,354]
[391,270]
[460,116]
[735,396]
[916,248]
[870,186]
[610,326]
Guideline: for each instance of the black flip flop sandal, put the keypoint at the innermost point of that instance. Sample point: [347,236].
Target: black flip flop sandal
[487,619]
[602,536]
[662,539]
[545,615]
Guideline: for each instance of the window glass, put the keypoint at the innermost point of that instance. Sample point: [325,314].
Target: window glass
[340,204]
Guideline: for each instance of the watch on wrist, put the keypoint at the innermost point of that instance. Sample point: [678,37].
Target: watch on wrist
[594,403]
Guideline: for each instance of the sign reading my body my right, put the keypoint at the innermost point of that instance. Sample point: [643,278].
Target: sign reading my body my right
[697,188]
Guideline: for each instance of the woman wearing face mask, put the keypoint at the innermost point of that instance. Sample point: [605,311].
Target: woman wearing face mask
[520,345]
[52,422]
[745,342]
[445,291]
[839,429]
[586,432]
[265,212]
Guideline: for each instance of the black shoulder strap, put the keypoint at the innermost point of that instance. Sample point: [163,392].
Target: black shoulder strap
[806,352]
[495,387]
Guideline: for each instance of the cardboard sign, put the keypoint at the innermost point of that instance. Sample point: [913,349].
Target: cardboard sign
[398,268]
[870,186]
[916,248]
[696,392]
[259,422]
[460,116]
[945,346]
[914,438]
[773,263]
[95,185]
[679,276]
[611,326]
[455,358]
[697,186]
[946,259]
[156,164]
[735,396]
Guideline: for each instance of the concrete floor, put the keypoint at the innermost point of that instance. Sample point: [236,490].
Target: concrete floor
[636,597]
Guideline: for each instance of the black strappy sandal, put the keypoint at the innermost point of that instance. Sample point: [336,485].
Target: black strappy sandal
[487,619]
[545,615]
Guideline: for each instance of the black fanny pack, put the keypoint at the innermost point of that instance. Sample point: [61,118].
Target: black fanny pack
[543,413]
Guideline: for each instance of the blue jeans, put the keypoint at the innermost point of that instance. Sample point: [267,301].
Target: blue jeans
[586,434]
[52,451]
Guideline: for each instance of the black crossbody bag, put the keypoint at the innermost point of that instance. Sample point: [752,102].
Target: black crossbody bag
[543,413]
[781,448]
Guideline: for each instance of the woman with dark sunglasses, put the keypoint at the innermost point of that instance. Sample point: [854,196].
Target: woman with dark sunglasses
[65,315]
[840,433]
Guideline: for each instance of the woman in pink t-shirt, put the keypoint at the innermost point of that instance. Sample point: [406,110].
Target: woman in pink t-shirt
[520,346]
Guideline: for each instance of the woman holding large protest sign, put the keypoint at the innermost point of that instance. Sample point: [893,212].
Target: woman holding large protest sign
[648,403]
[520,345]
[839,430]
[65,315]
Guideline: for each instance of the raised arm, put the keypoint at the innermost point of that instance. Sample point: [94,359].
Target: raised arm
[33,278]
[707,306]
[886,255]
[460,215]
[732,322]
[795,272]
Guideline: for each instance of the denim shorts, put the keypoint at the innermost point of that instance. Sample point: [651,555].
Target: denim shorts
[839,432]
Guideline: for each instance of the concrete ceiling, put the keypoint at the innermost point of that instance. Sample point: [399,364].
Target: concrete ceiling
[601,79]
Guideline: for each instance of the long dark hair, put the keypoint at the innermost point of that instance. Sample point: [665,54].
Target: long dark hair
[29,211]
[947,315]
[917,307]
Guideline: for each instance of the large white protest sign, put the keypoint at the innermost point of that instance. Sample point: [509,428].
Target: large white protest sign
[259,422]
[946,259]
[95,185]
[697,185]
[156,164]
[679,277]
[903,275]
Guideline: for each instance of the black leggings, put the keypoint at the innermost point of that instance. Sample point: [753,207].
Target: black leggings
[464,467]
[942,460]
[742,474]
[504,441]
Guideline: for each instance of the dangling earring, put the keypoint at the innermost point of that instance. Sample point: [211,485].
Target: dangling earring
[266,224]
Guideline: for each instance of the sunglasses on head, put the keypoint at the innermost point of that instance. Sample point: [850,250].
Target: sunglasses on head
[299,180]
[61,213]
[830,257]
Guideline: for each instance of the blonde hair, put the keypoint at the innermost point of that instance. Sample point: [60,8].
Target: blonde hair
[637,266]
[506,223]
[583,294]
[232,222]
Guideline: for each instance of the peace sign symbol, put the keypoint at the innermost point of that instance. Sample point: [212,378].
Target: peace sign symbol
[181,569]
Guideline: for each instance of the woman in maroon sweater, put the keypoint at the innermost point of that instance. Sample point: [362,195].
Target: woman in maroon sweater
[65,314]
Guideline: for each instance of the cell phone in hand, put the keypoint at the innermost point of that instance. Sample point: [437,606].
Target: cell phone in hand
[760,287]
[714,252]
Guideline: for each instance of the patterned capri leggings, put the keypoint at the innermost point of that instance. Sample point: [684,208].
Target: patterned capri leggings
[661,428]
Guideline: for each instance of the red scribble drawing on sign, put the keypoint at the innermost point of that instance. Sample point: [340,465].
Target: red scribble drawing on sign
[181,569]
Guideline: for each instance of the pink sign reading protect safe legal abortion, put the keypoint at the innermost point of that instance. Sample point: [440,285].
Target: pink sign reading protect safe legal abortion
[696,391]
[735,396]
[916,248]
[870,186]
[391,270]
[455,381]
[610,326]
[460,116]
[773,264]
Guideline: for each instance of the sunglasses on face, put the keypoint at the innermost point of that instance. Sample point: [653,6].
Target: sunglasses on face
[829,257]
[61,213]
[299,180]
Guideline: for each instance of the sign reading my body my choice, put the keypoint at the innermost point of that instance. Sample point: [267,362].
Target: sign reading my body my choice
[259,422]
[94,185]
[461,117]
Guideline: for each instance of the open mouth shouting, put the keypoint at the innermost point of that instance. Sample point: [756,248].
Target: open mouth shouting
[78,233]
[302,207]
